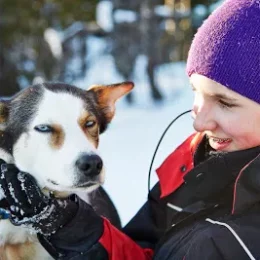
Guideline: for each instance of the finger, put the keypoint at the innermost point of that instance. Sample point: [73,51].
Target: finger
[4,186]
[15,187]
[32,190]
[7,189]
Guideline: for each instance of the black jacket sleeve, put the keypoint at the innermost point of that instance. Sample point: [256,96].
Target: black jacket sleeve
[148,225]
[219,242]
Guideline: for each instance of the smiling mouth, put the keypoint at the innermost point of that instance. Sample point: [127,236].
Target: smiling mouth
[221,140]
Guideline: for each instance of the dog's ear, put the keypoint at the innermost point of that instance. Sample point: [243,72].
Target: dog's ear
[107,95]
[4,112]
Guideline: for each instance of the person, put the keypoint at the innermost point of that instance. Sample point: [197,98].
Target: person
[206,204]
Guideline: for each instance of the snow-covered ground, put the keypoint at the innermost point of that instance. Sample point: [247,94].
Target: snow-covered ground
[128,145]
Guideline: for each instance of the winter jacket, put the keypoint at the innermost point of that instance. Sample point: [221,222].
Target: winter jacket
[206,205]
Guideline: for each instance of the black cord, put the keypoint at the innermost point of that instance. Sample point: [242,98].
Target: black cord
[156,149]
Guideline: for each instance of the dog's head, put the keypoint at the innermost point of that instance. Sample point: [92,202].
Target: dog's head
[52,132]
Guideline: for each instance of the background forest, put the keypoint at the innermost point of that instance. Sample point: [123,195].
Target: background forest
[46,40]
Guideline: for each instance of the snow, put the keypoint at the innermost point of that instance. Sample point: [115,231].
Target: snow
[128,145]
[104,15]
[125,16]
[52,37]
[11,190]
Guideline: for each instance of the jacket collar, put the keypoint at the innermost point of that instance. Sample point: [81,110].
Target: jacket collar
[211,176]
[215,177]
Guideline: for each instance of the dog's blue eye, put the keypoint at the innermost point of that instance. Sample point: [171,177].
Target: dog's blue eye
[90,123]
[43,128]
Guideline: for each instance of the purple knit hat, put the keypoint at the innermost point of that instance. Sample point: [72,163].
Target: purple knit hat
[226,48]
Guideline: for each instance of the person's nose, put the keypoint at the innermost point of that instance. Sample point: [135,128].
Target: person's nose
[203,115]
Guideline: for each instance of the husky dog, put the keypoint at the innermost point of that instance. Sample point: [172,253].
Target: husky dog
[52,132]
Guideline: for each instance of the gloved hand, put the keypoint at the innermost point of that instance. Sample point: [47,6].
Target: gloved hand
[29,206]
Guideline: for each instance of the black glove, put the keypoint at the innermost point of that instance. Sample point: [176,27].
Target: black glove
[29,206]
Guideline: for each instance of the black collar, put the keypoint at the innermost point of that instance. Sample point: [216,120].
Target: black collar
[214,177]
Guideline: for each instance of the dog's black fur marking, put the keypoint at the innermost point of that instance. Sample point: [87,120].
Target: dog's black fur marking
[3,110]
[21,110]
[6,140]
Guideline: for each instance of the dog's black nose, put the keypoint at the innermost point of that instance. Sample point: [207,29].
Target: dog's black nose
[90,165]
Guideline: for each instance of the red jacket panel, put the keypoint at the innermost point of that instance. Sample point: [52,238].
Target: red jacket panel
[120,246]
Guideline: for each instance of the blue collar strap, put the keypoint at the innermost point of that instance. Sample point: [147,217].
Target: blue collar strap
[4,214]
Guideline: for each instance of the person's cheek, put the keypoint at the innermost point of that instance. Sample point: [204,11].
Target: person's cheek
[246,141]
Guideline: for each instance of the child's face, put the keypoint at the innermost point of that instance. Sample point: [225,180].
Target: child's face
[231,121]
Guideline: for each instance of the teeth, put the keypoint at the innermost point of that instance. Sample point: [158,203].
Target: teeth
[221,140]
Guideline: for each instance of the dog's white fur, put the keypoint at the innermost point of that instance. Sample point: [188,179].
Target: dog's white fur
[32,153]
[38,164]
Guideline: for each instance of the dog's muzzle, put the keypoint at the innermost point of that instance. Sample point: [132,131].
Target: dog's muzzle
[89,165]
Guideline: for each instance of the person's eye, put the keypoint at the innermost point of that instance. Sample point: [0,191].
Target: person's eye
[225,104]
